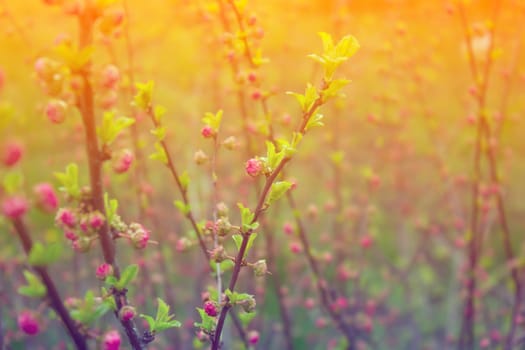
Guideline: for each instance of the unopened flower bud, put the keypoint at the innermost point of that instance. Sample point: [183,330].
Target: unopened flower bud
[112,340]
[260,268]
[254,167]
[127,313]
[210,308]
[200,157]
[28,323]
[248,304]
[103,271]
[222,209]
[230,143]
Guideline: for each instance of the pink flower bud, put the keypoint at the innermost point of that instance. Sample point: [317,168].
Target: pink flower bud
[70,235]
[123,162]
[12,153]
[254,167]
[210,309]
[56,111]
[139,236]
[207,131]
[288,228]
[295,247]
[66,218]
[46,199]
[253,337]
[252,77]
[256,95]
[14,207]
[366,241]
[110,76]
[96,220]
[103,271]
[112,340]
[28,323]
[127,313]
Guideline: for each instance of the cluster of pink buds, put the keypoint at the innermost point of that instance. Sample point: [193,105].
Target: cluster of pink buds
[80,228]
[104,271]
[138,235]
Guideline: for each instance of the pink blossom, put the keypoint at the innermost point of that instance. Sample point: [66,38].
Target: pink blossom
[207,131]
[103,271]
[56,111]
[110,76]
[28,323]
[66,218]
[366,241]
[254,167]
[123,162]
[12,153]
[47,199]
[210,309]
[14,207]
[295,247]
[127,313]
[139,235]
[112,340]
[288,228]
[253,337]
[70,235]
[96,220]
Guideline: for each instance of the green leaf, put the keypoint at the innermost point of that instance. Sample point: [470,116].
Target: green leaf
[158,113]
[334,89]
[246,318]
[247,218]
[184,208]
[69,180]
[184,179]
[159,133]
[207,322]
[213,120]
[111,206]
[163,319]
[41,255]
[111,127]
[144,94]
[160,154]
[13,182]
[128,275]
[278,189]
[74,58]
[34,288]
[238,241]
[150,320]
[315,120]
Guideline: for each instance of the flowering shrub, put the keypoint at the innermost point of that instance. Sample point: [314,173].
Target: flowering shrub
[204,175]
